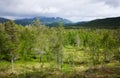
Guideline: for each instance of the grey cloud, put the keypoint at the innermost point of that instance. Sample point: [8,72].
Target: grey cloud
[112,3]
[75,10]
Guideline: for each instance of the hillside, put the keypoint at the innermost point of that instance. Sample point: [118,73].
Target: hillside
[113,22]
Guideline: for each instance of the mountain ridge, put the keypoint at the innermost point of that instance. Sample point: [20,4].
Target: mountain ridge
[112,22]
[44,20]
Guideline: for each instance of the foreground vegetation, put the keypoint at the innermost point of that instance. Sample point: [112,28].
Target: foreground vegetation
[37,51]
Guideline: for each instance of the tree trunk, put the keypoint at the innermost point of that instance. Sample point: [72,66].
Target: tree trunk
[12,61]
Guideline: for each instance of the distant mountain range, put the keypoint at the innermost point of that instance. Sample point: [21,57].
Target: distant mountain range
[49,21]
[44,20]
[3,20]
[113,22]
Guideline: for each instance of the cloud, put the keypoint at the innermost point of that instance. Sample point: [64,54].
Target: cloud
[112,3]
[75,10]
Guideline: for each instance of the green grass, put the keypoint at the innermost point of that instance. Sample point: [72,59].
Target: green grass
[74,65]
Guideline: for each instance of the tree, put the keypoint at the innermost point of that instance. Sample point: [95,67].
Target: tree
[58,48]
[27,44]
[117,45]
[11,31]
[108,43]
[3,44]
[36,22]
[94,46]
[77,40]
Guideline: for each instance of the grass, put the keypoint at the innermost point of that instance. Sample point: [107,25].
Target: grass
[27,69]
[75,69]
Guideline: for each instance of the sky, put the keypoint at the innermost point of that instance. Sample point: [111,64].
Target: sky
[74,10]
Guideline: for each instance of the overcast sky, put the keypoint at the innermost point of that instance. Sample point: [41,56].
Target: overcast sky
[74,10]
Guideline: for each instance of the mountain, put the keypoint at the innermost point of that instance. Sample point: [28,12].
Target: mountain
[3,20]
[113,22]
[49,21]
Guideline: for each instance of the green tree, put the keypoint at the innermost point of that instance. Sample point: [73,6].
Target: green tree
[11,31]
[59,45]
[27,44]
[36,22]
